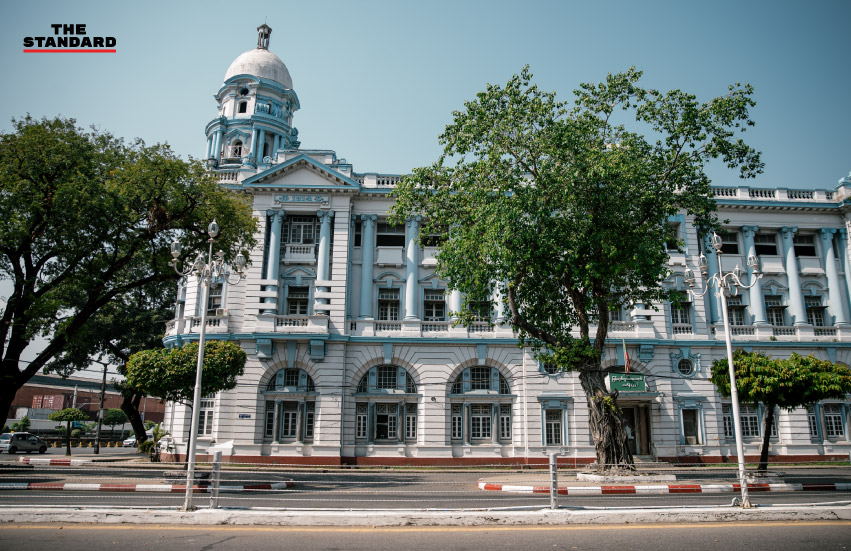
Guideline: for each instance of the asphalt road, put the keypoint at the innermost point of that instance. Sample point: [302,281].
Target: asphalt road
[776,536]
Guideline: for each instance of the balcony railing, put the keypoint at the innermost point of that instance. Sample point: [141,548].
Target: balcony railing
[808,195]
[683,329]
[300,254]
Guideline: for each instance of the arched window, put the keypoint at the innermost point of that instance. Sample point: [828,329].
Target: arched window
[480,407]
[386,406]
[243,107]
[290,412]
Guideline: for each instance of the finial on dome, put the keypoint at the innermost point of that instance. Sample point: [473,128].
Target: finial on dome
[263,32]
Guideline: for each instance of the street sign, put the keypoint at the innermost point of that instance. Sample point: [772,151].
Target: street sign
[627,382]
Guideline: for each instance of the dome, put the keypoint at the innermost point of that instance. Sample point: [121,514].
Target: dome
[262,63]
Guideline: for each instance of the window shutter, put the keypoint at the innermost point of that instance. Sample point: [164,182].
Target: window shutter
[465,381]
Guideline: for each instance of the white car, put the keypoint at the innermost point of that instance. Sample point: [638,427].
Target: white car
[131,442]
[21,442]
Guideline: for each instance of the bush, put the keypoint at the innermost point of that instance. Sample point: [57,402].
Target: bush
[76,433]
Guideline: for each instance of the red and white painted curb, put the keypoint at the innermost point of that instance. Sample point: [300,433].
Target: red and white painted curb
[666,489]
[53,461]
[163,488]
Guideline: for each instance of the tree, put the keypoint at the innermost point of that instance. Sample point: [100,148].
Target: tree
[777,383]
[114,416]
[152,446]
[566,211]
[23,425]
[68,416]
[170,372]
[86,221]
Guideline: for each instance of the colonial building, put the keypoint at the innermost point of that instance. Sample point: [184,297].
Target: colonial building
[353,356]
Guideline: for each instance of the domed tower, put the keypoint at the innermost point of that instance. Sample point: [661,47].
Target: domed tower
[256,105]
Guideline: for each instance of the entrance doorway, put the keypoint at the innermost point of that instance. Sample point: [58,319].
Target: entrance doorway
[636,419]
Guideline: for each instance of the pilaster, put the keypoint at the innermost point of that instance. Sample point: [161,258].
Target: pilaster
[411,266]
[796,297]
[368,248]
[757,304]
[836,306]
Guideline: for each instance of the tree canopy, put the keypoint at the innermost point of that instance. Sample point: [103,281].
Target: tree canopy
[780,383]
[68,416]
[85,220]
[170,372]
[565,211]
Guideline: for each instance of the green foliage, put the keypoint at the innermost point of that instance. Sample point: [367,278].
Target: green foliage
[790,383]
[76,433]
[567,209]
[23,425]
[68,415]
[85,226]
[151,446]
[170,373]
[114,416]
[149,424]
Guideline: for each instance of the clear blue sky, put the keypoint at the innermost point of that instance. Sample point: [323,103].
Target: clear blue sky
[378,80]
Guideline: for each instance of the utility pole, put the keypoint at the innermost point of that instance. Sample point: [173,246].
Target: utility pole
[100,410]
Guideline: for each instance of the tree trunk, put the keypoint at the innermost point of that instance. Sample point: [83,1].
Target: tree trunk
[607,427]
[130,406]
[766,438]
[7,396]
[67,437]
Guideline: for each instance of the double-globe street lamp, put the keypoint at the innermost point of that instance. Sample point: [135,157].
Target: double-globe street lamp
[205,272]
[724,284]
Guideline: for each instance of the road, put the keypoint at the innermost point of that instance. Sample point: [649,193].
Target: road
[777,536]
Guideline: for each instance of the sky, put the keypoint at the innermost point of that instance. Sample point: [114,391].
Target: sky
[378,80]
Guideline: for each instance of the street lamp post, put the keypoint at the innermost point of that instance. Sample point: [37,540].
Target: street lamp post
[205,272]
[730,283]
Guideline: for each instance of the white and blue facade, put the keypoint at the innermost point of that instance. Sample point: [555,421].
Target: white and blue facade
[353,357]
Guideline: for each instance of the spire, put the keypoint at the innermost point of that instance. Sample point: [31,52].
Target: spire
[263,32]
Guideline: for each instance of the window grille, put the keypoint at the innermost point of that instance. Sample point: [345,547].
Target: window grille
[388,304]
[480,421]
[833,428]
[505,422]
[457,422]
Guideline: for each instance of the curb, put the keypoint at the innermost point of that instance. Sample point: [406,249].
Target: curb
[47,461]
[161,488]
[666,489]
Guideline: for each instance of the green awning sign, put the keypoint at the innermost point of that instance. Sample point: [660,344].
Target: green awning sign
[627,382]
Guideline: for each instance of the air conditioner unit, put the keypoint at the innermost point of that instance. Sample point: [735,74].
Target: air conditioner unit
[691,440]
[221,312]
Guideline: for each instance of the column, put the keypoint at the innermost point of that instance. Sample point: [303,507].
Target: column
[261,138]
[276,421]
[217,145]
[455,302]
[796,297]
[497,300]
[368,248]
[714,302]
[253,145]
[323,262]
[209,147]
[273,260]
[835,304]
[411,268]
[846,261]
[276,146]
[755,292]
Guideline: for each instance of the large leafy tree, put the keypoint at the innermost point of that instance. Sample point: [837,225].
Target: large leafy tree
[780,383]
[170,372]
[566,210]
[86,220]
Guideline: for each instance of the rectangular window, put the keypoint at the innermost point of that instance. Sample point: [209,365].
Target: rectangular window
[457,422]
[360,423]
[750,421]
[480,378]
[480,421]
[727,419]
[681,316]
[729,242]
[300,230]
[205,417]
[410,421]
[269,417]
[815,310]
[385,421]
[386,376]
[358,237]
[833,428]
[309,417]
[736,309]
[388,304]
[389,236]
[505,422]
[481,309]
[691,426]
[805,245]
[289,420]
[812,421]
[434,305]
[553,427]
[672,242]
[297,301]
[774,310]
[765,244]
[214,298]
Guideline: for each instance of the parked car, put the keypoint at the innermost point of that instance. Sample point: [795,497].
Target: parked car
[14,442]
[131,442]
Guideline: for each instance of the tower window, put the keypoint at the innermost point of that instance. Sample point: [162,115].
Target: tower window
[243,106]
[236,149]
[243,92]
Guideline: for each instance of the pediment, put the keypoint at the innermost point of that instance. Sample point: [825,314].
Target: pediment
[302,173]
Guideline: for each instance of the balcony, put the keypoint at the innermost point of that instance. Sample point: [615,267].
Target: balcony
[192,324]
[794,333]
[292,324]
[300,254]
[426,329]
